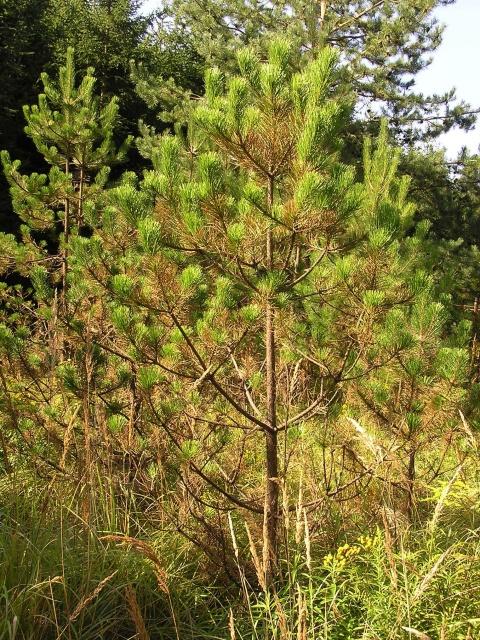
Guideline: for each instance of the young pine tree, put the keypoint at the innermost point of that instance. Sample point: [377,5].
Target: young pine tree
[75,137]
[74,134]
[254,286]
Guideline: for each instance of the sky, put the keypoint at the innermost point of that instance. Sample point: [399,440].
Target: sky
[456,64]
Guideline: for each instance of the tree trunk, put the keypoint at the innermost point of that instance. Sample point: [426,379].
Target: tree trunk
[66,231]
[271,437]
[80,196]
[411,486]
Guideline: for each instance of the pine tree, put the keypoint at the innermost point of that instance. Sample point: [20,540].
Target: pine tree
[447,195]
[248,305]
[256,289]
[75,137]
[383,46]
[116,37]
[34,35]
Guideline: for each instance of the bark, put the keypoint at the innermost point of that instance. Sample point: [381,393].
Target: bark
[80,196]
[271,436]
[411,485]
[66,232]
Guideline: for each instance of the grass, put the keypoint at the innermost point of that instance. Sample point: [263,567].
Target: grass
[79,570]
[60,579]
[423,584]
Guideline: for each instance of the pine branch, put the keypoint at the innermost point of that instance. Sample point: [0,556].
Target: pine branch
[357,16]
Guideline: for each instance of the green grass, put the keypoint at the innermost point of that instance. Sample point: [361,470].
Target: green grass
[51,559]
[60,579]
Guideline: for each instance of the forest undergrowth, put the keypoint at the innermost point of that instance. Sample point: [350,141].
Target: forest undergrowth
[73,567]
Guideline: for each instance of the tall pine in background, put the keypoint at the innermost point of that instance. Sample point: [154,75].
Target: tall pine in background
[383,45]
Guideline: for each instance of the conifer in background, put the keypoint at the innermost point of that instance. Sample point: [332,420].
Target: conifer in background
[24,51]
[383,46]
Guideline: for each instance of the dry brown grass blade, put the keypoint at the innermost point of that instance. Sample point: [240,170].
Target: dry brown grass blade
[299,513]
[266,551]
[233,536]
[416,633]
[84,602]
[148,552]
[428,577]
[302,615]
[282,620]
[161,575]
[469,432]
[443,498]
[68,437]
[367,440]
[389,550]
[136,614]
[285,508]
[46,583]
[308,554]
[231,625]
[256,560]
